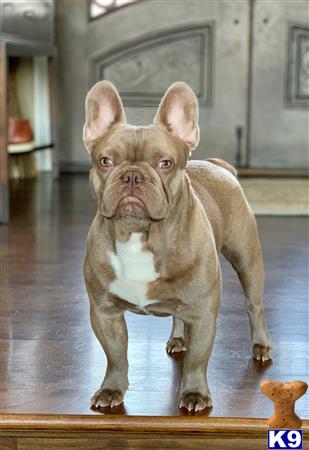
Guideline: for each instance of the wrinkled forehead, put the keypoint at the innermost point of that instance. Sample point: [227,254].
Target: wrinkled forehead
[140,144]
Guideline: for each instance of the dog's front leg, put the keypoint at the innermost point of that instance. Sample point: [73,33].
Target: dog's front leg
[176,342]
[199,335]
[111,331]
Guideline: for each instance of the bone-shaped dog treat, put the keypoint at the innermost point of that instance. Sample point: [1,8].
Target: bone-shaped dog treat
[284,396]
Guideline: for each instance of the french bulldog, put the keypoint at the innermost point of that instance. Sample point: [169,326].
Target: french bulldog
[154,244]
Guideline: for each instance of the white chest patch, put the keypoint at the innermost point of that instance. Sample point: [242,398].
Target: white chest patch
[134,269]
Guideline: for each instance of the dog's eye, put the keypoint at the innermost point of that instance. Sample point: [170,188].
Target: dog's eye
[106,162]
[165,164]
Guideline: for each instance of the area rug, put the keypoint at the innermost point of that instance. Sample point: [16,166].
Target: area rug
[277,196]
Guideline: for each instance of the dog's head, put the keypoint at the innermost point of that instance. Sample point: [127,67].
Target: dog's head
[137,171]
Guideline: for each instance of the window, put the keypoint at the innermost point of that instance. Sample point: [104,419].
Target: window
[100,7]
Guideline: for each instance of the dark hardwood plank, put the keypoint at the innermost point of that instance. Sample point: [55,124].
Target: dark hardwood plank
[8,443]
[51,361]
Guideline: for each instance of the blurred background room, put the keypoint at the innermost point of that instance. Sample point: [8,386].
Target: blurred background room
[246,60]
[248,63]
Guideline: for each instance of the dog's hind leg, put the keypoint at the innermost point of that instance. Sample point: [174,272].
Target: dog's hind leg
[243,251]
[176,342]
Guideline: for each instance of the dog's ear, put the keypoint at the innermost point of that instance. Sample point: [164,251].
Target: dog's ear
[178,112]
[104,109]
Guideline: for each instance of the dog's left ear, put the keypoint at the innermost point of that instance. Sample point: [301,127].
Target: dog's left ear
[178,112]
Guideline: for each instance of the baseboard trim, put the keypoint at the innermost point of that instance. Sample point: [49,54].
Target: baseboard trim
[269,172]
[84,167]
[74,167]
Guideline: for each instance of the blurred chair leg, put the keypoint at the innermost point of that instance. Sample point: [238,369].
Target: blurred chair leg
[33,171]
[22,166]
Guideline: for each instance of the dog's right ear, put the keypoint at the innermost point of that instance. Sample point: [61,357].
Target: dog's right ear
[104,109]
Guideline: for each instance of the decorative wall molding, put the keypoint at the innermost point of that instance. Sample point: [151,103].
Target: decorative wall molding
[143,69]
[297,86]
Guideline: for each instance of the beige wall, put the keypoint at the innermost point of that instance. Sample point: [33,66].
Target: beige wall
[85,48]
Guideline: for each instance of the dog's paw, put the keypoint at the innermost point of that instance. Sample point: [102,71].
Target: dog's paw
[194,401]
[261,352]
[175,345]
[106,397]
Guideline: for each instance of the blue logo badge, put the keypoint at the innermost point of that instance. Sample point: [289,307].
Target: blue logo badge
[285,439]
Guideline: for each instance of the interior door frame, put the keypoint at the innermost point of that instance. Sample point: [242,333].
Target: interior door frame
[4,171]
[23,50]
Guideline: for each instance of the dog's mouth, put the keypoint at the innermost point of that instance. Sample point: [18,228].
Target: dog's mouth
[131,206]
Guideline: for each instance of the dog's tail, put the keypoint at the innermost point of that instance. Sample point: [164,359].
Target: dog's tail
[224,164]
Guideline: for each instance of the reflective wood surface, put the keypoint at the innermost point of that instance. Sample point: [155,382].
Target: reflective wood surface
[51,361]
[72,432]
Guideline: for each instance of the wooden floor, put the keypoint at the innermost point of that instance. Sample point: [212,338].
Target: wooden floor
[50,359]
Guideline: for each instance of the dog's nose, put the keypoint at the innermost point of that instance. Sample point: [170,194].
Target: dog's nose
[132,178]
